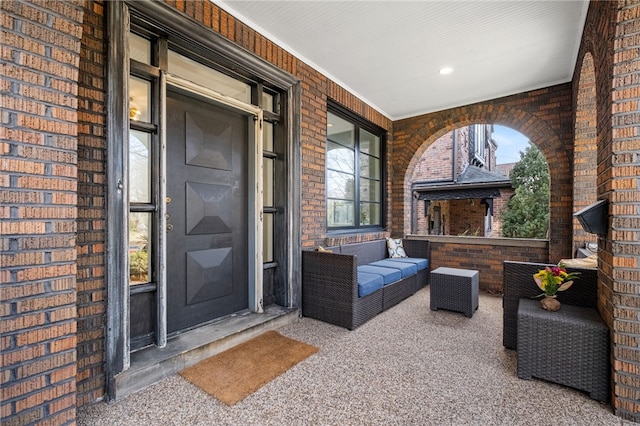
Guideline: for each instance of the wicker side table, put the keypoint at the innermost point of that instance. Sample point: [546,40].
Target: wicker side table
[569,347]
[455,290]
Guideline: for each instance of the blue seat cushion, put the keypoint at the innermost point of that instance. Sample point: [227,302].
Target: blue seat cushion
[406,268]
[369,283]
[389,275]
[420,263]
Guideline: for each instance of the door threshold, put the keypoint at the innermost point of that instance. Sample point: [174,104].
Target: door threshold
[152,364]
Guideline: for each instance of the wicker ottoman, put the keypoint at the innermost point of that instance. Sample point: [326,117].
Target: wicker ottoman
[455,290]
[569,347]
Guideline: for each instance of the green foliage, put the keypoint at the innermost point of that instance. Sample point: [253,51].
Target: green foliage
[527,212]
[139,265]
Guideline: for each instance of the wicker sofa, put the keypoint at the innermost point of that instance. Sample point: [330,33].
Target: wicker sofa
[518,283]
[332,282]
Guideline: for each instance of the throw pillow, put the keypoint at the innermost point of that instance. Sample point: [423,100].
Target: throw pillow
[394,247]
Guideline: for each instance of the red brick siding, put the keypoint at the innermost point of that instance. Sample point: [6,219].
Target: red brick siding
[437,161]
[466,218]
[585,158]
[38,142]
[543,115]
[610,39]
[486,258]
[48,119]
[91,206]
[621,165]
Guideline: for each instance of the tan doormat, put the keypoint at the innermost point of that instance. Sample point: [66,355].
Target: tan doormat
[236,373]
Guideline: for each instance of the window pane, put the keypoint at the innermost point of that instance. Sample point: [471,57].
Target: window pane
[191,70]
[139,248]
[369,190]
[267,136]
[139,48]
[369,214]
[369,166]
[139,99]
[353,173]
[267,179]
[339,130]
[340,158]
[340,185]
[369,143]
[340,213]
[267,102]
[267,238]
[139,167]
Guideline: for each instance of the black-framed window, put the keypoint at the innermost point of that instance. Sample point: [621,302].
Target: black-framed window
[354,172]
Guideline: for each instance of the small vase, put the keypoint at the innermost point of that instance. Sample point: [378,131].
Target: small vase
[550,303]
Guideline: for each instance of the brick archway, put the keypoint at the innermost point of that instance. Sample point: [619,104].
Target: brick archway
[543,115]
[585,155]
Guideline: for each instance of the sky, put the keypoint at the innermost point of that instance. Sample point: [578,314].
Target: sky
[510,143]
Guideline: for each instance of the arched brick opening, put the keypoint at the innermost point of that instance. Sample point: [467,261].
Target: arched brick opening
[546,130]
[585,150]
[445,159]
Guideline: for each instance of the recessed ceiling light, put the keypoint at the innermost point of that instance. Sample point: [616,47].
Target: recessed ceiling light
[445,70]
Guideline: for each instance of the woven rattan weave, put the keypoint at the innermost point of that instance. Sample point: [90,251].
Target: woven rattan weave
[518,283]
[455,290]
[330,285]
[569,347]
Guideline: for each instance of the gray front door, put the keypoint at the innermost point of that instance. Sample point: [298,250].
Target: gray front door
[207,211]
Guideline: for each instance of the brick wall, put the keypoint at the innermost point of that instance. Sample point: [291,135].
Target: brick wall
[466,218]
[611,41]
[437,161]
[585,158]
[621,164]
[544,116]
[52,177]
[624,168]
[38,183]
[485,255]
[91,207]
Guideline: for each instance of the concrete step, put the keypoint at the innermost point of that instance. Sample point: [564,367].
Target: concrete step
[152,364]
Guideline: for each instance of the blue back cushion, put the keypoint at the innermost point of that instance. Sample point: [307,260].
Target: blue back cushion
[369,283]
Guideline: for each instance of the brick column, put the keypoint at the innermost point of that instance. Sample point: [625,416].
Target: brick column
[622,171]
[38,182]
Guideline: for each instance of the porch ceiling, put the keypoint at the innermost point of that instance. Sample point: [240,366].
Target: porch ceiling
[389,53]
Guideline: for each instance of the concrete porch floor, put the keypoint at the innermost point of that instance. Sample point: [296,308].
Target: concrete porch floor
[407,366]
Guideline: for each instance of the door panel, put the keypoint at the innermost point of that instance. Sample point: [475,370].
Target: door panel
[207,211]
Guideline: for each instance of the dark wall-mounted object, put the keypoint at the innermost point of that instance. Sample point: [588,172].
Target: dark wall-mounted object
[594,218]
